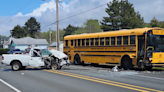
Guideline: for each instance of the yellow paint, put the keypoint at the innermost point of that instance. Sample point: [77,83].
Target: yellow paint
[108,54]
[158,57]
[118,84]
[158,32]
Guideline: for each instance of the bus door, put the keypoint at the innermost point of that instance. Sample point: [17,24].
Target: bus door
[141,49]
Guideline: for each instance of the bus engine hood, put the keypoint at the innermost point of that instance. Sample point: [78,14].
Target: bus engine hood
[58,54]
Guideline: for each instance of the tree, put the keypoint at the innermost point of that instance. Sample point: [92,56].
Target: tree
[91,26]
[162,24]
[18,32]
[32,27]
[154,23]
[69,30]
[121,16]
[113,21]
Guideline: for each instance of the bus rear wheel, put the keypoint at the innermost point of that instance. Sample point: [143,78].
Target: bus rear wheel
[77,60]
[126,63]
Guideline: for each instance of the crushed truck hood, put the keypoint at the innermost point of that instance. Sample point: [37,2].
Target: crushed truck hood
[58,54]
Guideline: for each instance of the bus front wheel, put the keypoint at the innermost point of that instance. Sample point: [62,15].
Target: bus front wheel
[77,60]
[126,63]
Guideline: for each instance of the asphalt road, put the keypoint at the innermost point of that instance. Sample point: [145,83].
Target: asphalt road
[80,79]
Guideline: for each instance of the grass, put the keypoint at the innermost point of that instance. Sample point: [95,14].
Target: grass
[158,68]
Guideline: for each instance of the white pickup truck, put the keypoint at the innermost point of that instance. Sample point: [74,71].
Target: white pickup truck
[36,58]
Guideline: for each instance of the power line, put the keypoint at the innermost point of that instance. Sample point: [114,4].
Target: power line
[75,15]
[19,10]
[33,6]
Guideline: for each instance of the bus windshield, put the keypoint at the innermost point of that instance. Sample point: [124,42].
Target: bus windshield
[158,42]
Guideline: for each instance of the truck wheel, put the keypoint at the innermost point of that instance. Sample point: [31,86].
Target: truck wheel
[54,66]
[126,63]
[77,60]
[16,66]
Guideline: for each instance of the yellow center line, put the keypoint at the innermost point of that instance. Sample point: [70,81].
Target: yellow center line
[91,79]
[109,81]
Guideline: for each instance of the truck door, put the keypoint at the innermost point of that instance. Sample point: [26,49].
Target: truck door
[36,59]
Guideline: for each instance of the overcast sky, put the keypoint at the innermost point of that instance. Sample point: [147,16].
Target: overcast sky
[14,12]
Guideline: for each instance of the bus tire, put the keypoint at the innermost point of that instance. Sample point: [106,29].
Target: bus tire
[77,60]
[126,63]
[148,67]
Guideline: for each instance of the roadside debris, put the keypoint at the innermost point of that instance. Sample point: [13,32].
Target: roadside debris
[115,69]
[22,73]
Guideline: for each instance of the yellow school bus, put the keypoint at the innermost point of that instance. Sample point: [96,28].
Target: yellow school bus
[140,47]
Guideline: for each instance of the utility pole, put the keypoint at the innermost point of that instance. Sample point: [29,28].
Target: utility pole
[57,18]
[50,35]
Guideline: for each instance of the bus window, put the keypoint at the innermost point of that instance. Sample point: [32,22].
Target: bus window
[66,43]
[75,43]
[71,42]
[78,42]
[132,39]
[119,40]
[125,40]
[112,40]
[96,41]
[101,41]
[83,42]
[92,41]
[107,40]
[87,42]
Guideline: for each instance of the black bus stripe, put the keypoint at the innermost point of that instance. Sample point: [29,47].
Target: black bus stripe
[103,55]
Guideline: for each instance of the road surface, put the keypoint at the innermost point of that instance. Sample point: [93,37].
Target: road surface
[80,79]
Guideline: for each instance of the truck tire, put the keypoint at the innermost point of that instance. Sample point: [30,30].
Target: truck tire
[16,66]
[54,66]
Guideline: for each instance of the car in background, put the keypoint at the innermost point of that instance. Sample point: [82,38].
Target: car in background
[15,51]
[27,50]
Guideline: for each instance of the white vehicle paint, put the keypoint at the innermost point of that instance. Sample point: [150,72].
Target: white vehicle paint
[36,59]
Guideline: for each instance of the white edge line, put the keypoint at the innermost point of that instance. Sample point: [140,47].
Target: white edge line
[9,85]
[150,77]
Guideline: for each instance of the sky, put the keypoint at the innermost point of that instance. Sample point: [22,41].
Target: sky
[17,12]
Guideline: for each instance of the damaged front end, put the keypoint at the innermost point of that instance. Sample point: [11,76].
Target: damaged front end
[55,59]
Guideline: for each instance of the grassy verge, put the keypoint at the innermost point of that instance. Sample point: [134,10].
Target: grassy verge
[158,68]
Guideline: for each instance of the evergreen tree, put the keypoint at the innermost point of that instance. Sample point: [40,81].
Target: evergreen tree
[69,30]
[121,16]
[32,27]
[18,32]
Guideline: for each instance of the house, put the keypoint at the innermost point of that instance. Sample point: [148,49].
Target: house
[25,42]
[54,46]
[4,42]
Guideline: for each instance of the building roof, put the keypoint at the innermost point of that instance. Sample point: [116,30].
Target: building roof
[30,41]
[54,44]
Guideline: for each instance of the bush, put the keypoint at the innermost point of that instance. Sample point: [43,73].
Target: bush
[3,51]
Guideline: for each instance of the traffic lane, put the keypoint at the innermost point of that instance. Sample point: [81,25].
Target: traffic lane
[125,80]
[42,81]
[4,88]
[127,77]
